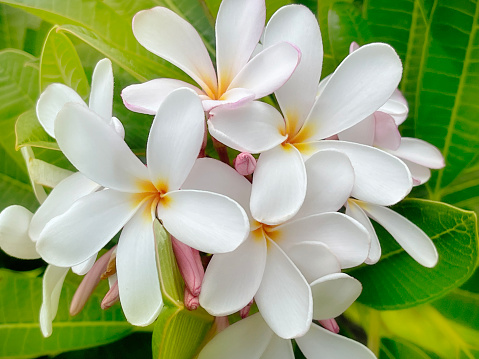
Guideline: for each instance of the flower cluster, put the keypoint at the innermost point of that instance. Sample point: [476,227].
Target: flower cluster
[281,225]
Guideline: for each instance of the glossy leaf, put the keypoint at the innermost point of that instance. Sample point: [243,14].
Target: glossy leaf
[59,63]
[397,281]
[20,334]
[178,332]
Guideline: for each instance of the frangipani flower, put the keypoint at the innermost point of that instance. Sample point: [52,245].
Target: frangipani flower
[252,338]
[276,263]
[238,78]
[135,195]
[381,130]
[359,86]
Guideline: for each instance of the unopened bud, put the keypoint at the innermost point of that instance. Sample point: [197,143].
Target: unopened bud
[111,297]
[89,283]
[189,264]
[245,163]
[191,301]
[330,324]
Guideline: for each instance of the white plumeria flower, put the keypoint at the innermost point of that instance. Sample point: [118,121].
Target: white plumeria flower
[135,195]
[381,130]
[56,95]
[238,78]
[359,86]
[276,263]
[252,338]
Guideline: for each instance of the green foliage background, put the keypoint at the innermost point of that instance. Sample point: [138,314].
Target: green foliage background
[405,311]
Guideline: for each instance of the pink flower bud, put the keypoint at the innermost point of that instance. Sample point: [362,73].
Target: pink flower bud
[330,324]
[111,297]
[190,266]
[244,163]
[221,323]
[244,312]
[191,301]
[89,283]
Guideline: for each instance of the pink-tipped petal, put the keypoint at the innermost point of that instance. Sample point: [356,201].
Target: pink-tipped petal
[148,96]
[397,107]
[268,70]
[362,132]
[420,152]
[386,131]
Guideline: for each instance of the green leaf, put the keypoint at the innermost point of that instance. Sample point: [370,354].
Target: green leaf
[20,334]
[29,132]
[18,92]
[14,25]
[59,63]
[178,332]
[271,6]
[398,282]
[392,349]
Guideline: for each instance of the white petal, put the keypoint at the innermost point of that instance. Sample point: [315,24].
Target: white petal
[52,286]
[420,174]
[85,266]
[231,99]
[254,127]
[386,132]
[278,348]
[206,221]
[331,345]
[138,281]
[333,294]
[420,152]
[14,238]
[396,106]
[51,101]
[61,198]
[238,29]
[362,132]
[313,259]
[354,211]
[413,239]
[284,297]
[167,35]
[230,343]
[175,139]
[147,97]
[361,84]
[279,185]
[101,96]
[97,151]
[116,124]
[330,181]
[268,70]
[379,177]
[215,176]
[86,227]
[297,25]
[346,238]
[232,279]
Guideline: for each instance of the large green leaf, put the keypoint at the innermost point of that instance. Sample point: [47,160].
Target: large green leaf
[397,281]
[20,336]
[18,92]
[59,63]
[178,332]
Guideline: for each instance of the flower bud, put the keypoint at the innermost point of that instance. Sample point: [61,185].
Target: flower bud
[245,163]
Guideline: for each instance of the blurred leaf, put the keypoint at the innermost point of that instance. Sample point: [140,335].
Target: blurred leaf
[271,6]
[461,306]
[393,349]
[20,334]
[59,63]
[29,132]
[18,92]
[178,332]
[397,281]
[14,24]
